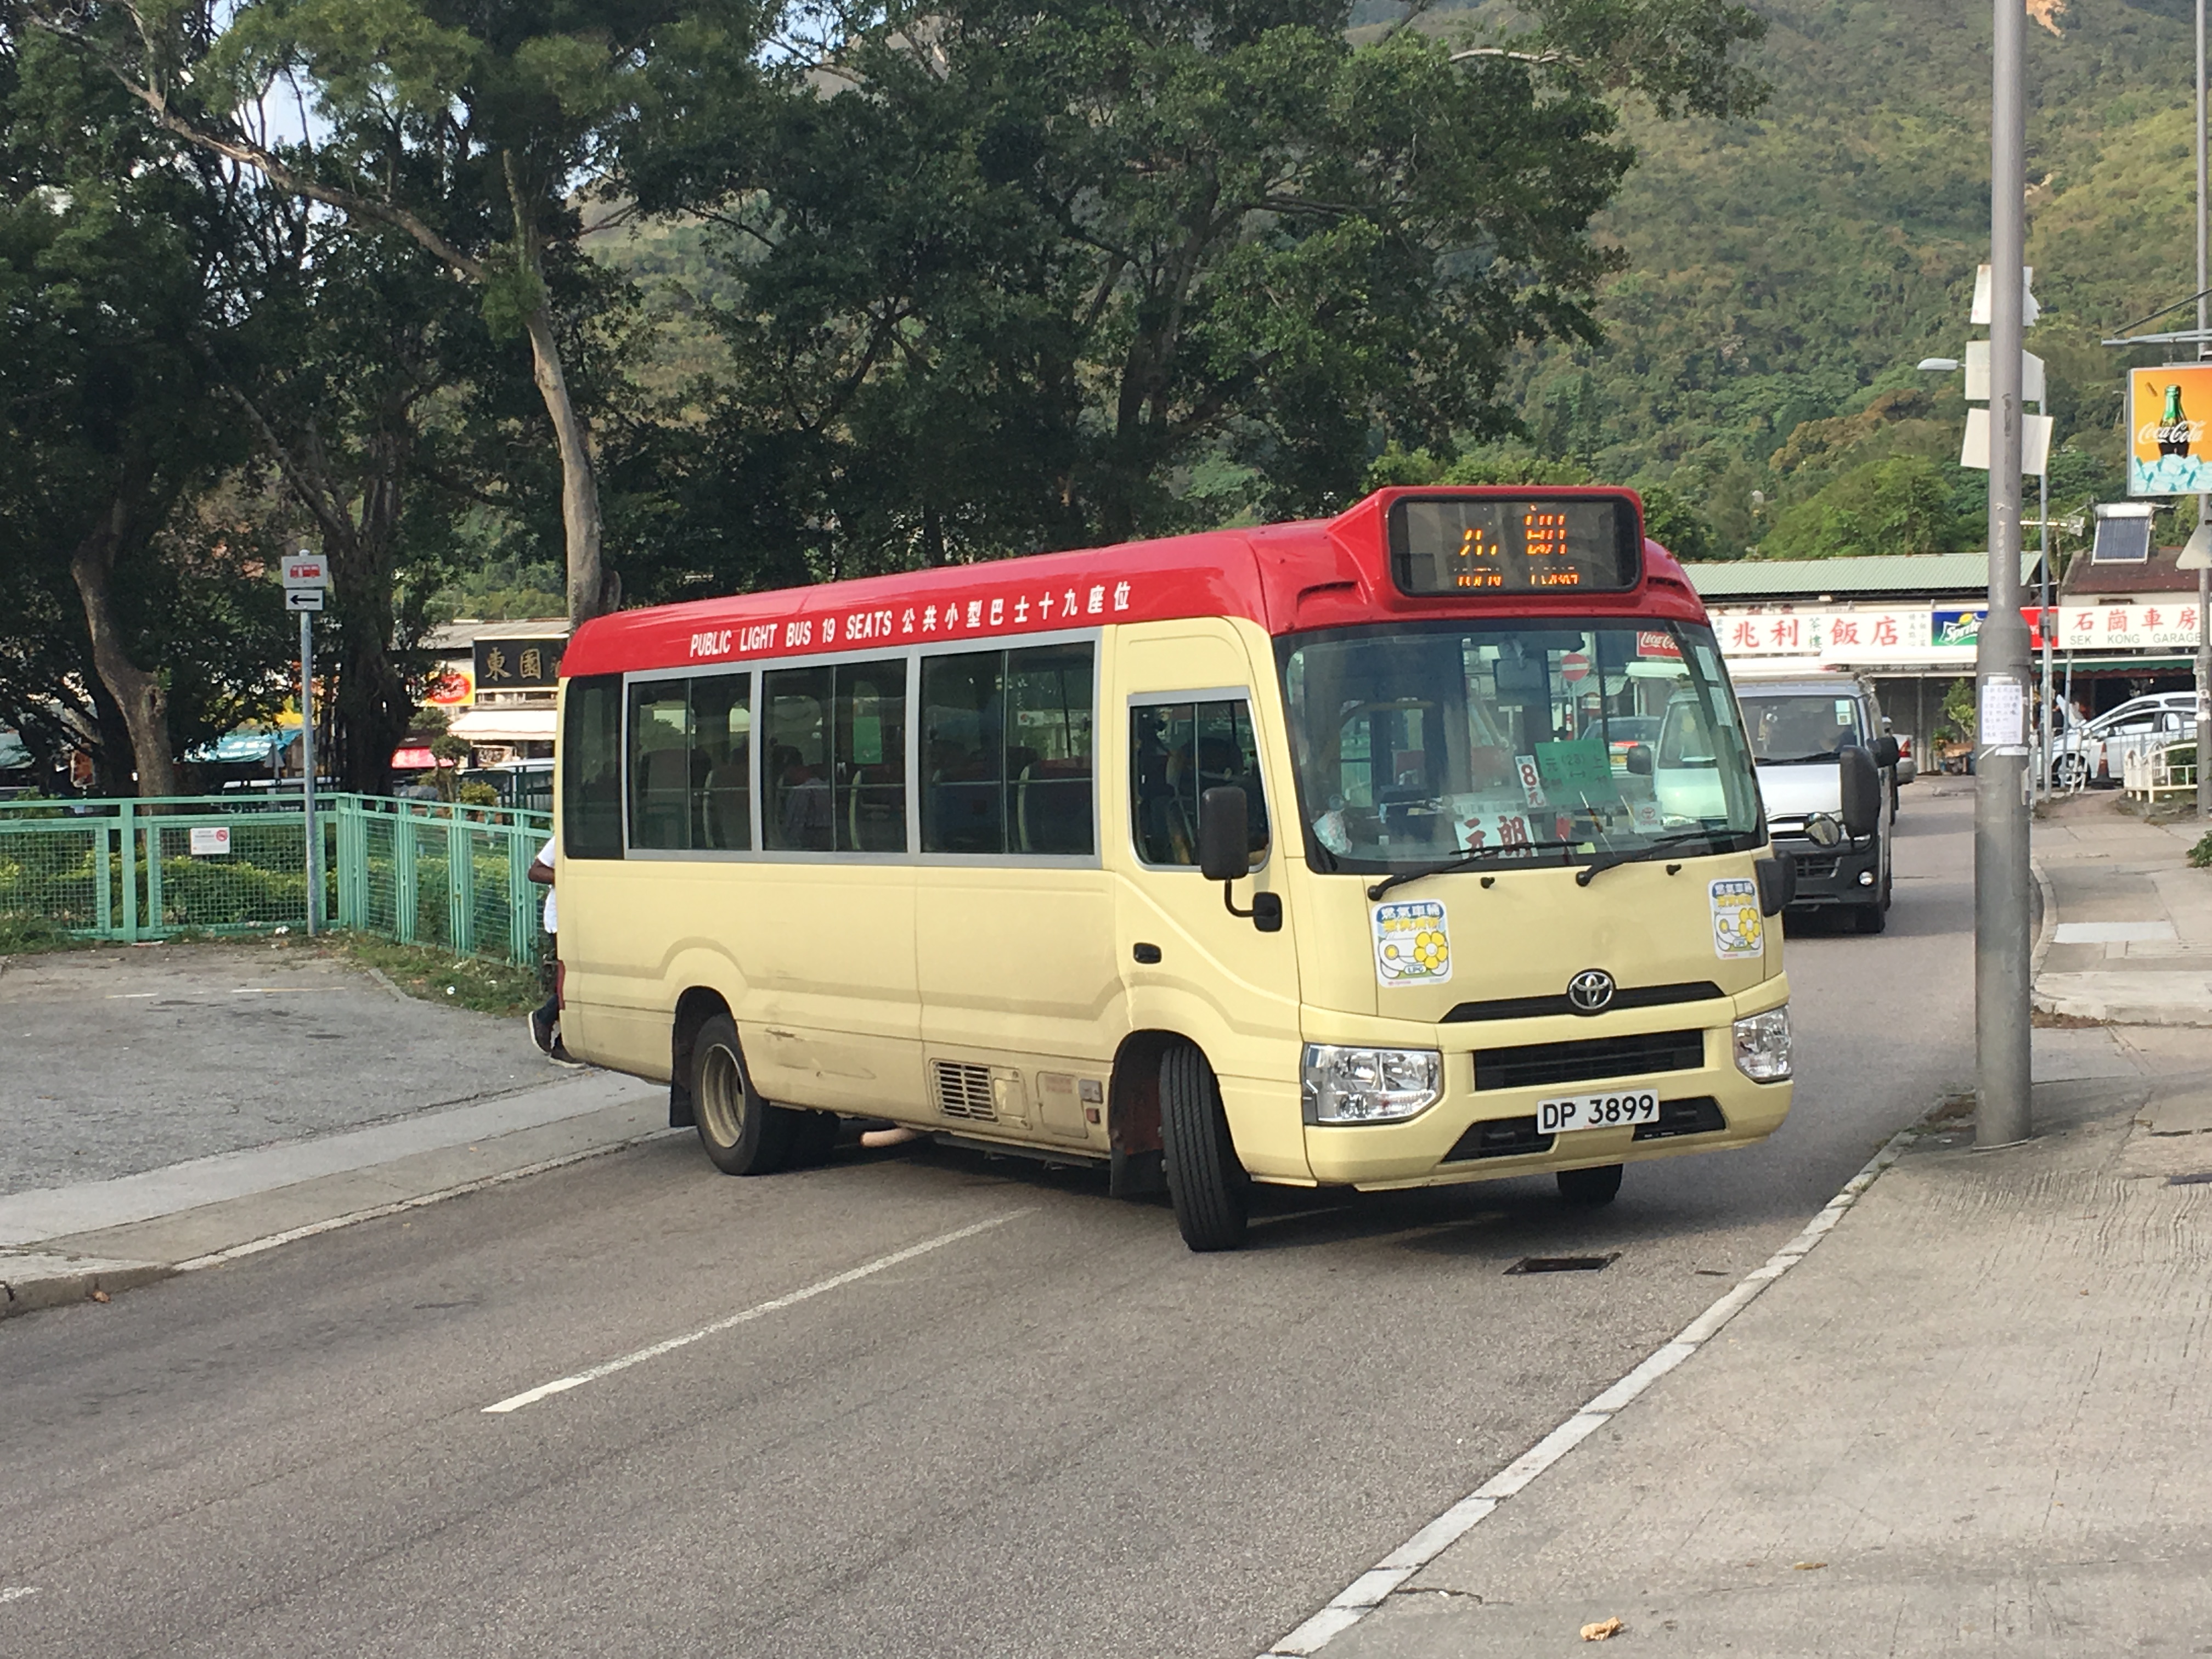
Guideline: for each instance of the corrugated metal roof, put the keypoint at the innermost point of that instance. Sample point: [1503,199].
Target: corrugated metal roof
[1934,574]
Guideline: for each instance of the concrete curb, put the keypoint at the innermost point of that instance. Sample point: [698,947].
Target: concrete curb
[34,1280]
[2049,934]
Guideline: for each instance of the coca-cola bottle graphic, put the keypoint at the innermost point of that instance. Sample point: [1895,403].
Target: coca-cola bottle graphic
[2173,427]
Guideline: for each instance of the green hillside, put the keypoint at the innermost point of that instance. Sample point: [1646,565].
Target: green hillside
[1793,268]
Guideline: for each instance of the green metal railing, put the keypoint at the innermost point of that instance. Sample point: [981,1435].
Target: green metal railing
[421,872]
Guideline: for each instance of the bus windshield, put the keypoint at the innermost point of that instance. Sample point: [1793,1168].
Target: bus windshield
[1515,740]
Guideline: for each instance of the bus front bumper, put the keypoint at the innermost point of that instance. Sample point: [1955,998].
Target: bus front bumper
[1486,1133]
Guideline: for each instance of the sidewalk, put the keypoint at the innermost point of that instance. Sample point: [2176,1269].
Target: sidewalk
[1972,1419]
[2134,939]
[131,1058]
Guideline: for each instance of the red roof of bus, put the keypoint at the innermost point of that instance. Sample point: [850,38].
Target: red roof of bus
[1289,578]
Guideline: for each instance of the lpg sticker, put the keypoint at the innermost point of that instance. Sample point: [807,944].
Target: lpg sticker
[1411,944]
[1738,929]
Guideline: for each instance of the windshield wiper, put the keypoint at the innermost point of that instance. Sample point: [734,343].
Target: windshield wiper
[1613,860]
[1797,760]
[1461,862]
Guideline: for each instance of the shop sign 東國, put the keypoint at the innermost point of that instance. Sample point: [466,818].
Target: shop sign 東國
[519,665]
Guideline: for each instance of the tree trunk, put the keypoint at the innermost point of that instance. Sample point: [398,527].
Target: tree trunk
[139,697]
[591,592]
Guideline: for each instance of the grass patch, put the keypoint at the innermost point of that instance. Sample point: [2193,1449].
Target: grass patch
[22,936]
[435,976]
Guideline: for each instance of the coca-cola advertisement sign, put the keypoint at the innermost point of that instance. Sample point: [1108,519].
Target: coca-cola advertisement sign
[2170,423]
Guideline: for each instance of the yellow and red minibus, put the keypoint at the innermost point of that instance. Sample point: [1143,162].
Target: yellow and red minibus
[1418,845]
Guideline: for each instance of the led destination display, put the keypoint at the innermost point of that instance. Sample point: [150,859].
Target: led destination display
[1514,544]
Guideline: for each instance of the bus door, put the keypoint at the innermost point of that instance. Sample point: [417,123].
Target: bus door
[1190,965]
[1013,924]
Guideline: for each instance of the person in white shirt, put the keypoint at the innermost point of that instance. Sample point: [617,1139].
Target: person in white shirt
[545,1018]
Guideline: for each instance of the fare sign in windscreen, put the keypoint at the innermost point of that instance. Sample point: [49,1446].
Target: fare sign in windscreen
[1476,546]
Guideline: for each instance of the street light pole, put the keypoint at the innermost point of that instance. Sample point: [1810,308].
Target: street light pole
[2000,668]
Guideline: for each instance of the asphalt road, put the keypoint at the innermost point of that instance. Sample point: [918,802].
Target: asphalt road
[1053,1433]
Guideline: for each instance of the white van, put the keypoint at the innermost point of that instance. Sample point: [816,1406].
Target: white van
[1808,736]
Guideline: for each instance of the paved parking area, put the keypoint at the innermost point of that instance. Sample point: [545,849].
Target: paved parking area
[117,1061]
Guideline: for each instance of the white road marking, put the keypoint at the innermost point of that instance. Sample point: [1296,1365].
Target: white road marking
[1368,1591]
[17,1592]
[131,996]
[760,1310]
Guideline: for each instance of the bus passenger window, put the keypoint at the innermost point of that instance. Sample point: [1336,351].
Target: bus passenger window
[721,736]
[962,752]
[1179,750]
[660,764]
[870,801]
[796,781]
[1049,749]
[1005,746]
[591,769]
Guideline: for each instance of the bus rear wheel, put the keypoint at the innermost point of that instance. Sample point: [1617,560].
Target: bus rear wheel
[1211,1191]
[1587,1190]
[743,1134]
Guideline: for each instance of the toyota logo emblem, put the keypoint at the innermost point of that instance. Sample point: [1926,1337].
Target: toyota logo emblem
[1590,990]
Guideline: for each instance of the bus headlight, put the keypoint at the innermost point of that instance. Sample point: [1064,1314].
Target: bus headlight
[1369,1085]
[1762,1045]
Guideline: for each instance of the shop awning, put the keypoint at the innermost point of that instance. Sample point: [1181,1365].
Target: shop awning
[504,725]
[244,748]
[412,760]
[12,752]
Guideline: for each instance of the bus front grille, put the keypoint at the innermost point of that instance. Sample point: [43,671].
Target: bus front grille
[965,1091]
[1539,1064]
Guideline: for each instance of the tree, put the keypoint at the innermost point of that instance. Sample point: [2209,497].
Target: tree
[470,129]
[1025,276]
[1900,505]
[116,284]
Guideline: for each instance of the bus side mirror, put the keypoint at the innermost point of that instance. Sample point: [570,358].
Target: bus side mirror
[1639,760]
[1885,752]
[1223,843]
[1861,791]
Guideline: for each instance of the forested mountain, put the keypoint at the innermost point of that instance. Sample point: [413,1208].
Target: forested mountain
[1793,267]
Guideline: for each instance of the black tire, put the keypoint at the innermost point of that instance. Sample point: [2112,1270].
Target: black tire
[1211,1191]
[815,1138]
[1590,1189]
[743,1134]
[1871,918]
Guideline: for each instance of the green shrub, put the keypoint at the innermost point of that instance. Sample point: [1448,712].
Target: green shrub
[2201,855]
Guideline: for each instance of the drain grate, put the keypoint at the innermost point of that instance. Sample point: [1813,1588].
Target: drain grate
[2202,1177]
[1563,1264]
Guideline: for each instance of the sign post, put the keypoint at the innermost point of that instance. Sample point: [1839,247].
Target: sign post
[303,593]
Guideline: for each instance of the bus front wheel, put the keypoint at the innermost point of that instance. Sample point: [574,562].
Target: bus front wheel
[743,1134]
[1211,1191]
[1588,1188]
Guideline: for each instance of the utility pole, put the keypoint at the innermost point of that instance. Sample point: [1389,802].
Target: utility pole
[2000,668]
[2204,350]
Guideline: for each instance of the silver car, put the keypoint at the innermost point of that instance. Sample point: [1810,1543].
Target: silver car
[2095,751]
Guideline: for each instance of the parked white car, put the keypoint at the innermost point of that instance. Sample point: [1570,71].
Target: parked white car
[2095,751]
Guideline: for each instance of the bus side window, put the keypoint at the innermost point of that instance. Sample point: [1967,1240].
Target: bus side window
[963,753]
[796,779]
[869,809]
[659,763]
[1179,750]
[591,769]
[1048,750]
[1007,751]
[721,768]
